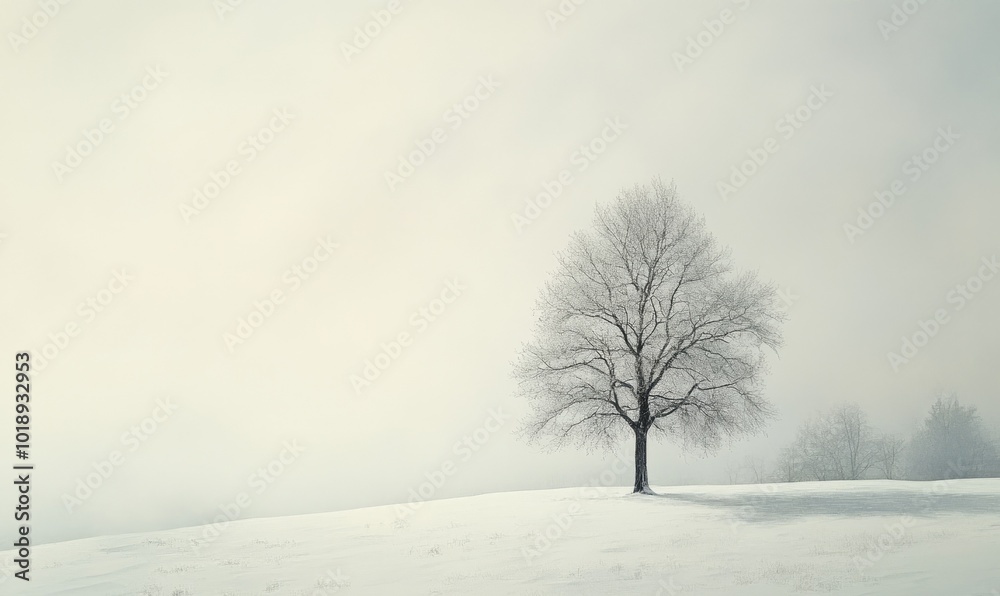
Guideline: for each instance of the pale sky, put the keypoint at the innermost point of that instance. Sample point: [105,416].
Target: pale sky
[534,89]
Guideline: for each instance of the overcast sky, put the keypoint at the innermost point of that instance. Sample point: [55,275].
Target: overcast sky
[532,89]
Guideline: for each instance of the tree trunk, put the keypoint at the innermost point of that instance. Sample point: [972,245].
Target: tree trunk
[641,474]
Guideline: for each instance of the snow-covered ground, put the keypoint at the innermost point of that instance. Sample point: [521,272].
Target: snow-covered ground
[884,538]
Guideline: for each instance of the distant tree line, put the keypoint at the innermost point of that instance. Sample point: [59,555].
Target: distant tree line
[841,444]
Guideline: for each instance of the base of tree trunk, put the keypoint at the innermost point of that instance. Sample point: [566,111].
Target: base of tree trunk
[643,491]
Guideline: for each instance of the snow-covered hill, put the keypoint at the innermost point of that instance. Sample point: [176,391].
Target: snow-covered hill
[884,538]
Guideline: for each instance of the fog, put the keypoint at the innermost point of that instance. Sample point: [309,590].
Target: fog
[340,259]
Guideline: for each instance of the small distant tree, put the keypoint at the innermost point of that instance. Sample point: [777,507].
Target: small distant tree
[646,328]
[817,448]
[788,467]
[734,472]
[757,467]
[839,445]
[952,443]
[890,456]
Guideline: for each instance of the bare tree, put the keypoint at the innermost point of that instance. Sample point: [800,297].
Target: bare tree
[840,445]
[890,449]
[817,445]
[733,472]
[758,469]
[646,328]
[788,467]
[858,436]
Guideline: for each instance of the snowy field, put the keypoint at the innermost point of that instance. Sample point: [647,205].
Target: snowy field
[880,538]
